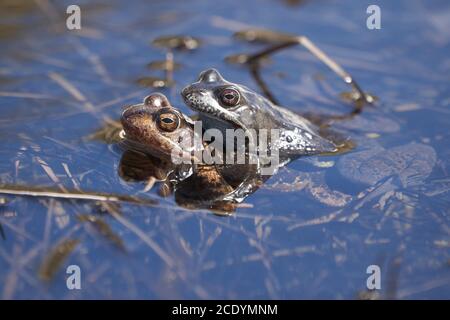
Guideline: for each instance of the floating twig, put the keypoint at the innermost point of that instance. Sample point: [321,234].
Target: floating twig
[72,195]
[281,41]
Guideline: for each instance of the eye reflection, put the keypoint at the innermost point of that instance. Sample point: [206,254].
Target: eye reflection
[168,121]
[230,97]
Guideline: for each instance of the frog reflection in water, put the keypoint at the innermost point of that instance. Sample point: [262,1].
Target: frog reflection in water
[155,131]
[225,105]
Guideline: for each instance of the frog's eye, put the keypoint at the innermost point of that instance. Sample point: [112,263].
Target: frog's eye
[168,121]
[230,97]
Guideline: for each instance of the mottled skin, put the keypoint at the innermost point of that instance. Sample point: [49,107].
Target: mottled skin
[223,105]
[205,188]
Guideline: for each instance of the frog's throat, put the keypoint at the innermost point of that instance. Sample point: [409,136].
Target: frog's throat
[176,151]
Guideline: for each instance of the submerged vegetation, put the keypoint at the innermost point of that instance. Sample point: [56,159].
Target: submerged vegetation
[69,194]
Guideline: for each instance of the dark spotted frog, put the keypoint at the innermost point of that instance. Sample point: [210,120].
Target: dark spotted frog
[225,105]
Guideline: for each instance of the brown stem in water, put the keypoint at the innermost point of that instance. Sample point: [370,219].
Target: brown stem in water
[254,64]
[72,195]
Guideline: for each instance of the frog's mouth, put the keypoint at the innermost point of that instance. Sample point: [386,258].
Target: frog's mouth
[167,151]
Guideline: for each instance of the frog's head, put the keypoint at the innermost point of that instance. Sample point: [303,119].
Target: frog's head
[157,127]
[217,98]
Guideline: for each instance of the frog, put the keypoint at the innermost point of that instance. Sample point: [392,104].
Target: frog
[157,129]
[224,105]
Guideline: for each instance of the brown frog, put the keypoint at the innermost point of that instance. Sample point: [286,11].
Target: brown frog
[157,129]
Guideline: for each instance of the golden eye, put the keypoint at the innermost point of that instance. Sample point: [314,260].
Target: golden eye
[230,97]
[168,121]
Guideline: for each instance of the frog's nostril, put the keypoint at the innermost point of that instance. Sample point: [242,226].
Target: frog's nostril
[133,112]
[126,113]
[210,75]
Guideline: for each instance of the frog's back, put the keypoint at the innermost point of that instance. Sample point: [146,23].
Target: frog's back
[224,104]
[298,136]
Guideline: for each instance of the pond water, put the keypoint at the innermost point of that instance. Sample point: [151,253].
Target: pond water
[58,87]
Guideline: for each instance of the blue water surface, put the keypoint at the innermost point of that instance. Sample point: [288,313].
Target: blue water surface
[57,87]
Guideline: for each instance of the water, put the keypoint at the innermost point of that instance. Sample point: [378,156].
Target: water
[57,87]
